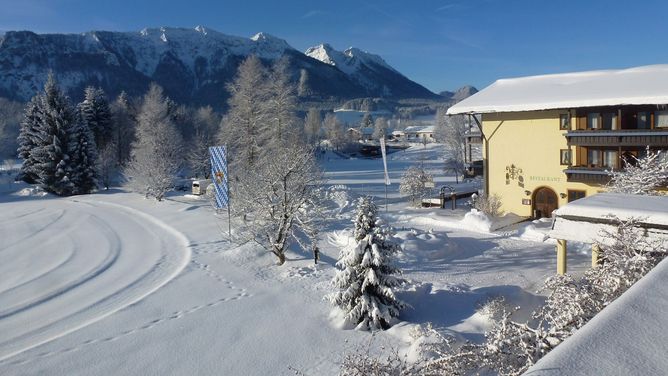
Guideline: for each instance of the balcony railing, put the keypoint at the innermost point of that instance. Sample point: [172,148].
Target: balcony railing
[590,175]
[618,137]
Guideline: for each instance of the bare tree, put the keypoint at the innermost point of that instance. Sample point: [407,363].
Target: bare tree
[335,132]
[157,153]
[645,176]
[282,105]
[124,125]
[452,132]
[313,126]
[205,124]
[245,127]
[279,199]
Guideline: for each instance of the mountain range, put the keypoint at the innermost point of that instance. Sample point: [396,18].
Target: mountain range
[192,65]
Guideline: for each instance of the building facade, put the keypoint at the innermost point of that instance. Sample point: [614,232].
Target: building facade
[549,140]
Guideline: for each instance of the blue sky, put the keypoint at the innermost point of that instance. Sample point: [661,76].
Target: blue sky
[439,44]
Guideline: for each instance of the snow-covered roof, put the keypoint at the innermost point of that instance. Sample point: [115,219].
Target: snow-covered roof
[639,85]
[419,129]
[582,220]
[629,337]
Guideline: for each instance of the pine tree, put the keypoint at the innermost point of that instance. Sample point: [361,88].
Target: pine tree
[50,155]
[96,115]
[28,139]
[366,280]
[83,158]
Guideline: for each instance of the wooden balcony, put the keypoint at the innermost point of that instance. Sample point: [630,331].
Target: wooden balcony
[588,175]
[620,137]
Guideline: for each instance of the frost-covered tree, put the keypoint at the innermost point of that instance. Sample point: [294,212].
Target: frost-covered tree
[282,106]
[96,115]
[29,139]
[107,165]
[124,125]
[641,176]
[380,128]
[313,126]
[414,184]
[367,276]
[279,199]
[157,154]
[304,89]
[334,131]
[83,157]
[452,131]
[246,126]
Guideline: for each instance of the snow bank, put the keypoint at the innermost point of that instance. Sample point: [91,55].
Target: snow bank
[477,220]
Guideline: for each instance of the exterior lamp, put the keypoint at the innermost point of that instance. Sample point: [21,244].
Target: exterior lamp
[563,195]
[528,193]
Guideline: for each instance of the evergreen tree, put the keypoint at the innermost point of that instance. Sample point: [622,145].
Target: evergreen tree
[83,158]
[29,138]
[50,157]
[366,280]
[96,115]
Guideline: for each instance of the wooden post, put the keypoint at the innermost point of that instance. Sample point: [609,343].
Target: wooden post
[595,254]
[561,256]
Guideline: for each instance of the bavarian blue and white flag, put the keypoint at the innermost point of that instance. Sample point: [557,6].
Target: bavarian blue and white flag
[219,176]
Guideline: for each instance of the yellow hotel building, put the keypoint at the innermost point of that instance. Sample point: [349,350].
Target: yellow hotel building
[550,139]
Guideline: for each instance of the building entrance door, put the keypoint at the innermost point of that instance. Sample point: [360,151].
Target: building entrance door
[544,202]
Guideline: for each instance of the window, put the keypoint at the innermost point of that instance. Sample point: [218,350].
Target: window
[565,122]
[609,120]
[565,157]
[593,158]
[593,120]
[575,195]
[643,120]
[610,159]
[661,119]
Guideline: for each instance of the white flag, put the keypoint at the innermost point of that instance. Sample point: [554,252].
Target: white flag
[382,150]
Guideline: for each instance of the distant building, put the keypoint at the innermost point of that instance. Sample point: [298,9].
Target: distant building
[549,140]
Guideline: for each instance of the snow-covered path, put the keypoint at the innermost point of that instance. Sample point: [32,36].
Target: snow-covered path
[68,263]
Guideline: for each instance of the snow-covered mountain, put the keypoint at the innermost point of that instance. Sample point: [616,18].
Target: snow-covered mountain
[193,65]
[368,69]
[460,94]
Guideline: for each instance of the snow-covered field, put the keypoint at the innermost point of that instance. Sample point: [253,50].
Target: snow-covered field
[111,283]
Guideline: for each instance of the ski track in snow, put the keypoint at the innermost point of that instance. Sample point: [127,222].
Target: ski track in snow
[72,262]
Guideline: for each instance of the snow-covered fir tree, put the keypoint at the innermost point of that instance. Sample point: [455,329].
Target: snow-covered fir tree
[96,114]
[50,153]
[367,276]
[157,152]
[83,158]
[28,139]
[643,175]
